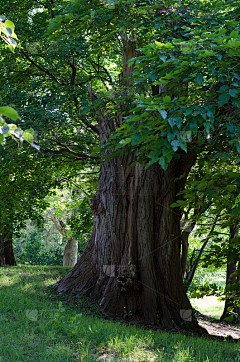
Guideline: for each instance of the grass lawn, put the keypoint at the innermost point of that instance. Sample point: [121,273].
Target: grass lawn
[35,326]
[209,306]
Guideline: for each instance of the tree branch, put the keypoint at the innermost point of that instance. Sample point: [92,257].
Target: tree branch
[46,71]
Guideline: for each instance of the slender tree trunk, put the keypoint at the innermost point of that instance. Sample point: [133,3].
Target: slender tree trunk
[230,280]
[2,254]
[190,272]
[192,267]
[185,247]
[8,250]
[70,252]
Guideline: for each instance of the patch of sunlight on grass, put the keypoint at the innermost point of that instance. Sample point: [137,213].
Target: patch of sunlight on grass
[209,306]
[6,281]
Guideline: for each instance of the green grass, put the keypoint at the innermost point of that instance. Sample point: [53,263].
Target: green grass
[35,326]
[209,306]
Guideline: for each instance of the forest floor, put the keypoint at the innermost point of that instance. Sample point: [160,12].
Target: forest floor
[39,326]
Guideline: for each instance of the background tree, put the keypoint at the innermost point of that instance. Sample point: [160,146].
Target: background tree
[26,179]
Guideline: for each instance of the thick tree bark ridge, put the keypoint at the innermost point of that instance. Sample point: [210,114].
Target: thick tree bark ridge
[231,278]
[132,260]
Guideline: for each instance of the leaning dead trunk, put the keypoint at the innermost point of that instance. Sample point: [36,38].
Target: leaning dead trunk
[70,252]
[71,249]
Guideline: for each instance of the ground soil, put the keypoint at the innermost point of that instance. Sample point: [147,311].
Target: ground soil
[218,328]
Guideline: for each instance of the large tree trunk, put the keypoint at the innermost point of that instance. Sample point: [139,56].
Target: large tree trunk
[230,280]
[132,260]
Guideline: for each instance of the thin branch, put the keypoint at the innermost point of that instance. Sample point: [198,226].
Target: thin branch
[74,71]
[68,150]
[91,126]
[46,71]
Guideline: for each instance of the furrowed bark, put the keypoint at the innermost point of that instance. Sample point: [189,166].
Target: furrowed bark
[230,280]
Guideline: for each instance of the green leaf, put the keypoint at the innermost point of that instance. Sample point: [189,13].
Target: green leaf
[186,50]
[175,145]
[183,146]
[164,45]
[125,142]
[193,126]
[223,99]
[174,205]
[222,31]
[28,137]
[231,128]
[186,135]
[178,121]
[5,129]
[208,53]
[236,211]
[231,187]
[234,34]
[9,31]
[233,92]
[166,99]
[163,113]
[210,193]
[175,121]
[162,162]
[9,24]
[30,130]
[223,88]
[199,78]
[135,139]
[153,76]
[163,58]
[159,44]
[158,143]
[9,112]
